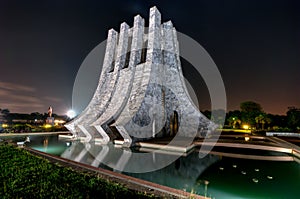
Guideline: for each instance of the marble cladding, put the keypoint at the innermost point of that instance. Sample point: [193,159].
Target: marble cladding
[124,85]
[142,99]
[109,57]
[106,83]
[108,88]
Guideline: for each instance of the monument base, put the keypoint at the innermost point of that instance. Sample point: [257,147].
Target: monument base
[50,120]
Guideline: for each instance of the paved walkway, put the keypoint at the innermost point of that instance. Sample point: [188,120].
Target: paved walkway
[33,133]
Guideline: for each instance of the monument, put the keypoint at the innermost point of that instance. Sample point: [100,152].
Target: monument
[141,92]
[50,119]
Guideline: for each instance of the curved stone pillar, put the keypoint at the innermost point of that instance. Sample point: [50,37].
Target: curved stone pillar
[141,117]
[115,61]
[108,88]
[142,98]
[123,88]
[191,120]
[107,64]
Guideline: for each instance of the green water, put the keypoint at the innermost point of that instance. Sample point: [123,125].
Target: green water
[252,179]
[213,176]
[45,143]
[230,178]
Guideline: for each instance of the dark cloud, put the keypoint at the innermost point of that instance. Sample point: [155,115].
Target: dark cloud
[18,98]
[255,44]
[24,99]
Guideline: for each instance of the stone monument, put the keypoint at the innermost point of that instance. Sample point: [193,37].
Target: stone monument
[50,119]
[141,92]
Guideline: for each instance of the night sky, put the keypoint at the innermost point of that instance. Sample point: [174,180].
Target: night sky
[254,43]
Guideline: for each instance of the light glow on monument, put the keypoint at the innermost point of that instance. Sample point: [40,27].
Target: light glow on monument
[141,92]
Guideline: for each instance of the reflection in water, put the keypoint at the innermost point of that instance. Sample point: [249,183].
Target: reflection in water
[48,144]
[45,144]
[182,174]
[212,176]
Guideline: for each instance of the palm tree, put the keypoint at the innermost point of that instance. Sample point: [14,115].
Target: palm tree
[234,121]
[262,119]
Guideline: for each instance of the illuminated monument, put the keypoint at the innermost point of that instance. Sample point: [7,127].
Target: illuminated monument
[141,92]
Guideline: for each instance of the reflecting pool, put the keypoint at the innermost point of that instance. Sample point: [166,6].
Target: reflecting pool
[215,175]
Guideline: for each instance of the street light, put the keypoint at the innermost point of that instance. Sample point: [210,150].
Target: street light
[246,126]
[71,114]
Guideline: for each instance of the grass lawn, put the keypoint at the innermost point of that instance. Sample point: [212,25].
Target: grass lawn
[24,175]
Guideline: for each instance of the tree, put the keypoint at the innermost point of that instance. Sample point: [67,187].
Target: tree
[234,119]
[1,116]
[218,116]
[250,106]
[36,115]
[293,118]
[261,120]
[250,110]
[4,115]
[207,113]
[234,122]
[278,121]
